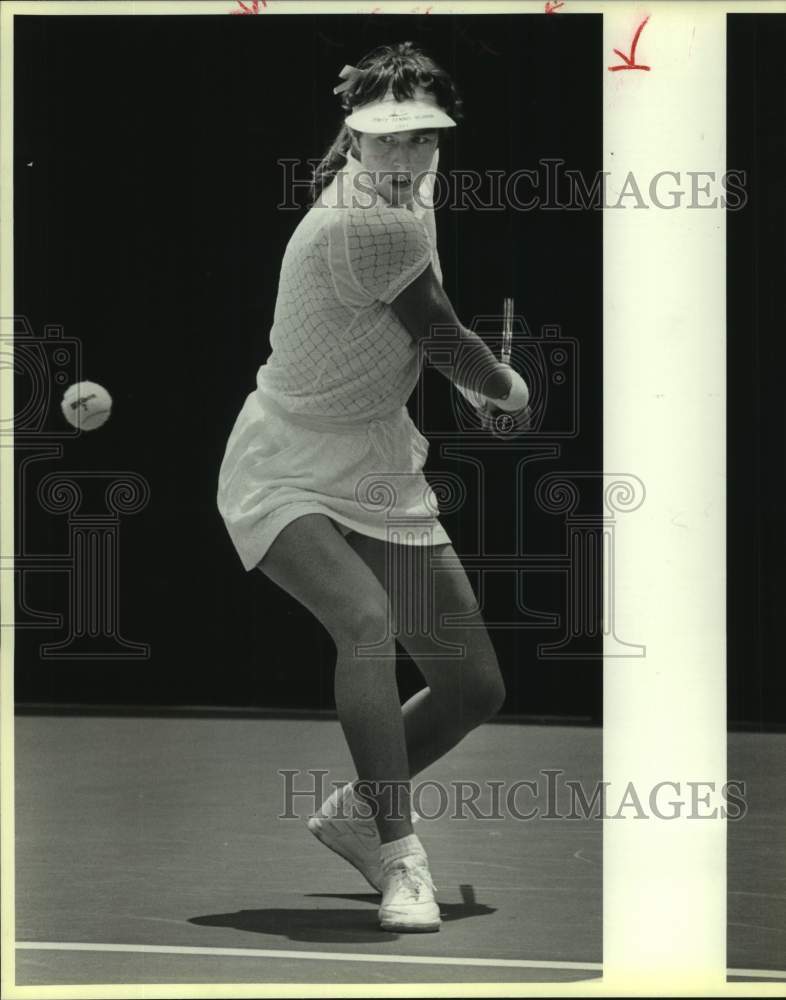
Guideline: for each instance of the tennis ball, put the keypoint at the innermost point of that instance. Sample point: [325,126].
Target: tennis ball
[86,405]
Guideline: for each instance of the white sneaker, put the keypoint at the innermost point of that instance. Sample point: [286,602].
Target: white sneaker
[408,902]
[353,838]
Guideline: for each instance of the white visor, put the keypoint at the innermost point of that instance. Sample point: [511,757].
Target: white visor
[390,115]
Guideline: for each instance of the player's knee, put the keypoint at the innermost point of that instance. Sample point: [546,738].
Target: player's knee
[494,697]
[476,700]
[365,622]
[488,697]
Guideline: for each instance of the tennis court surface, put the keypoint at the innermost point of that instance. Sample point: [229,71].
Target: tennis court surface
[150,850]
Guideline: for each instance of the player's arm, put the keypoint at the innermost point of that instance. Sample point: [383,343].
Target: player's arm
[424,305]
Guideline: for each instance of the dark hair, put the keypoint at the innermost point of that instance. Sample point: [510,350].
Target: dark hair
[403,68]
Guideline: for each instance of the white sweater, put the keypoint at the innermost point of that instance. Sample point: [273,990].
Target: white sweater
[337,346]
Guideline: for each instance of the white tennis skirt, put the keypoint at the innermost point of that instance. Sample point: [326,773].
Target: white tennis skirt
[367,477]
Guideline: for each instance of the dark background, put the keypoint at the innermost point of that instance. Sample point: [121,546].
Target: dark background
[146,226]
[756,282]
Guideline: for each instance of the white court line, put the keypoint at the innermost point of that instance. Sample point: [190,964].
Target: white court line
[324,956]
[757,973]
[348,956]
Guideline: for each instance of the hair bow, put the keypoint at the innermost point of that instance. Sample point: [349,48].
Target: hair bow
[349,75]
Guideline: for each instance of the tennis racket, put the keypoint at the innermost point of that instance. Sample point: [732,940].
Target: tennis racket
[503,422]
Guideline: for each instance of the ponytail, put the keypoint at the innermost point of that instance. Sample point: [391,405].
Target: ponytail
[333,160]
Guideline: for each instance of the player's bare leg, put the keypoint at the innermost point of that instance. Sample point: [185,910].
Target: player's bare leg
[311,560]
[424,586]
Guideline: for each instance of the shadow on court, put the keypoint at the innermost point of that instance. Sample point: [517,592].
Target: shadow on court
[328,925]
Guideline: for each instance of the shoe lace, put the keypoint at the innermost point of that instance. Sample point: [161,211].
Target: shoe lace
[410,875]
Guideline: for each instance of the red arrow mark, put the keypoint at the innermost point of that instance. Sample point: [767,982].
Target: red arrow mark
[552,5]
[629,62]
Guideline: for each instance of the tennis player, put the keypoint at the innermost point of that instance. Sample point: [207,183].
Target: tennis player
[324,460]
